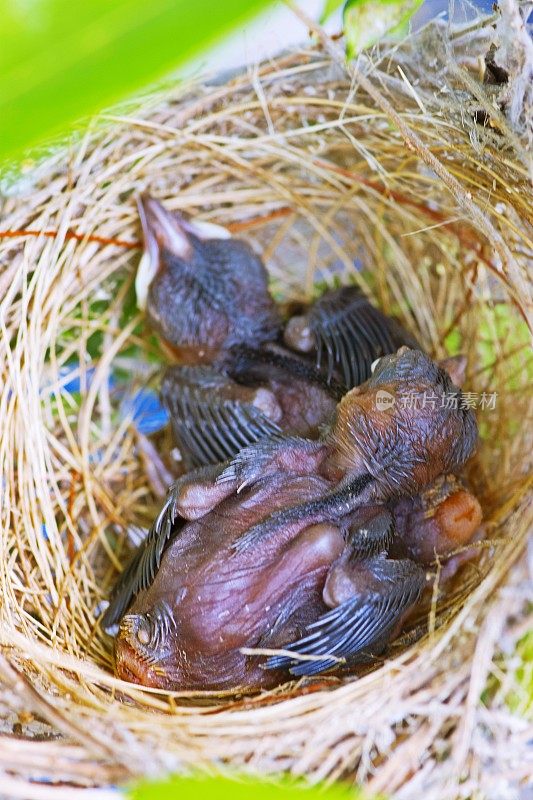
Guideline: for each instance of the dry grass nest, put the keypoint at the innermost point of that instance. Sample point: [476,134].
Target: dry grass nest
[405,173]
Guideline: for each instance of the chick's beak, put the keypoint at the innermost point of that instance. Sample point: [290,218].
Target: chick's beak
[162,231]
[130,666]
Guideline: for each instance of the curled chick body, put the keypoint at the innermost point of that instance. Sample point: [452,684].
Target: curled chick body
[244,373]
[286,545]
[221,601]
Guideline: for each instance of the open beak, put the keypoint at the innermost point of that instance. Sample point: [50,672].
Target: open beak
[166,231]
[162,231]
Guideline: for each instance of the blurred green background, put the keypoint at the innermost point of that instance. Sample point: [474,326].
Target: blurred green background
[239,789]
[64,59]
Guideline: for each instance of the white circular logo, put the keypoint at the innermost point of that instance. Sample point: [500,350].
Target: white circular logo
[384,400]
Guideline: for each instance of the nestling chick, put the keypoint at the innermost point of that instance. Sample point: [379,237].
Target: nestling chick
[277,548]
[202,291]
[242,373]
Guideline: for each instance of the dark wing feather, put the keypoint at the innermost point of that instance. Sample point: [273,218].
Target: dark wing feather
[330,506]
[354,626]
[145,563]
[208,425]
[351,334]
[368,537]
[141,570]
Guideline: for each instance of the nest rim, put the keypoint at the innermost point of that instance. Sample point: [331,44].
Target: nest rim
[93,214]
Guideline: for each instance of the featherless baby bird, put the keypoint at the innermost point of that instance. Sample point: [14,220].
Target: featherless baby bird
[286,546]
[243,372]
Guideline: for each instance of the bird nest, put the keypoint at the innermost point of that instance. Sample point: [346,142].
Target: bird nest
[409,174]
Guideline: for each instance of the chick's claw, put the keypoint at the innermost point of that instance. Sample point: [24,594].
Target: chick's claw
[197,493]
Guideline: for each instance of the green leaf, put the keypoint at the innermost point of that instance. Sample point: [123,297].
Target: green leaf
[330,6]
[452,342]
[367,21]
[521,699]
[64,59]
[502,324]
[219,788]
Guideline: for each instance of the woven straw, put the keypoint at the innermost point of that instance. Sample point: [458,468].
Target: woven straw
[378,174]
